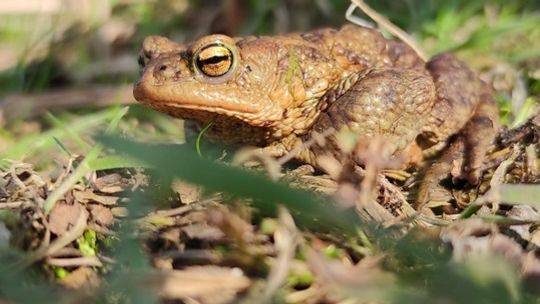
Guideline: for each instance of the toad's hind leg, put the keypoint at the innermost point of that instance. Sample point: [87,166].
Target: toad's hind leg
[465,112]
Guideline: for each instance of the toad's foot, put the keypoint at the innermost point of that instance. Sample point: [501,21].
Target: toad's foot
[459,92]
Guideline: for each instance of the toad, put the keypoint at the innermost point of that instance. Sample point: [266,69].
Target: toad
[278,91]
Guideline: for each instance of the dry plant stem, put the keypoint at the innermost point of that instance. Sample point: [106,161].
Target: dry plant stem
[407,209]
[498,176]
[349,15]
[304,146]
[17,180]
[66,252]
[422,218]
[499,154]
[91,261]
[173,212]
[368,186]
[196,281]
[287,238]
[409,213]
[493,195]
[532,161]
[366,203]
[47,238]
[272,166]
[389,26]
[176,211]
[11,205]
[398,175]
[65,173]
[81,170]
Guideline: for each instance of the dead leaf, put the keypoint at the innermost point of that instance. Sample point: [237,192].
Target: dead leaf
[63,216]
[101,214]
[119,211]
[81,277]
[188,193]
[111,183]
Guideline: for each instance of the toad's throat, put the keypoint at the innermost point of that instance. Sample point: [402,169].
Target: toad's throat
[224,128]
[204,113]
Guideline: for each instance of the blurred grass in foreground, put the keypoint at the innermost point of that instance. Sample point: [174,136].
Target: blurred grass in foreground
[421,269]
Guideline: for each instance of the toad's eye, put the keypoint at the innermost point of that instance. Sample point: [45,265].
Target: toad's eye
[214,60]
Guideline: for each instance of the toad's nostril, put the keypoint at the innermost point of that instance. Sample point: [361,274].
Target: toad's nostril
[164,69]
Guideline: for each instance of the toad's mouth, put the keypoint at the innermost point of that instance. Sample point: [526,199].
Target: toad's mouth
[202,105]
[173,107]
[193,99]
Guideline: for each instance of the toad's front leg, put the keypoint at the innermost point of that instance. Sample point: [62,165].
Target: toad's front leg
[391,103]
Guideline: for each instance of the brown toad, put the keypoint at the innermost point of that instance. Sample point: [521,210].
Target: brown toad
[274,92]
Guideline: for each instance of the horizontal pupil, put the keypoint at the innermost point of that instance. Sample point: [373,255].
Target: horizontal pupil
[214,60]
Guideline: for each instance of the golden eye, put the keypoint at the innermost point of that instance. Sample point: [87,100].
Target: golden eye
[214,60]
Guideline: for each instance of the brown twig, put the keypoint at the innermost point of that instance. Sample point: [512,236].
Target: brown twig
[11,205]
[386,24]
[286,240]
[91,261]
[303,146]
[272,166]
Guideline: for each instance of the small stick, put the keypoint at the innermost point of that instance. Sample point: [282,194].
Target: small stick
[91,261]
[384,23]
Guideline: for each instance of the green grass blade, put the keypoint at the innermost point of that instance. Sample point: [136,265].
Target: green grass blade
[115,162]
[521,194]
[200,136]
[181,161]
[37,143]
[113,125]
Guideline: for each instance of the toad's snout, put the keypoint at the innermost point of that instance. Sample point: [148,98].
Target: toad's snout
[160,72]
[140,90]
[165,69]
